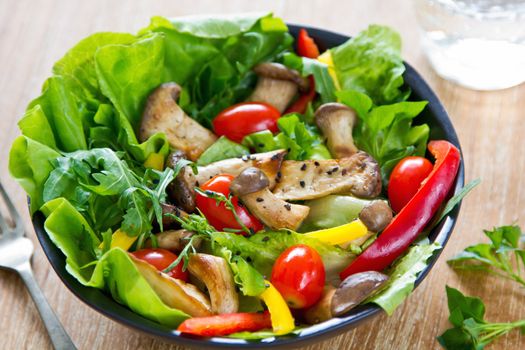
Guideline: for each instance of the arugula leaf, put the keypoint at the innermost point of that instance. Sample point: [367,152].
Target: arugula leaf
[223,148]
[470,331]
[403,276]
[371,63]
[300,139]
[386,132]
[496,257]
[84,176]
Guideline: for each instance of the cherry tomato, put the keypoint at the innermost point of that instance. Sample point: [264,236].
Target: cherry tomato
[306,46]
[161,259]
[405,180]
[219,216]
[245,118]
[299,275]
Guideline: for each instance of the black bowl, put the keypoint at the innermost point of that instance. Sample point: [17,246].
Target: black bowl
[441,128]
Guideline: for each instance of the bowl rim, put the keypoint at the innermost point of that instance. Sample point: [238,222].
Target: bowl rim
[120,313]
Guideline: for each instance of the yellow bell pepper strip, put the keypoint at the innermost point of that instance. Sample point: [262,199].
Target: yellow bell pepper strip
[340,234]
[326,58]
[282,319]
[121,240]
[155,161]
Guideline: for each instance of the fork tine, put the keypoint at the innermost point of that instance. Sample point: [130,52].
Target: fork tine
[17,219]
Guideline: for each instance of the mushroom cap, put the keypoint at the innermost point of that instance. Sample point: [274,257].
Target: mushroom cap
[281,72]
[355,289]
[250,180]
[376,215]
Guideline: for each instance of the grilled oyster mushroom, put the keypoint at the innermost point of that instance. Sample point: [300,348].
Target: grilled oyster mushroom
[268,162]
[215,273]
[180,191]
[336,121]
[277,85]
[301,180]
[350,293]
[376,215]
[251,186]
[163,114]
[173,292]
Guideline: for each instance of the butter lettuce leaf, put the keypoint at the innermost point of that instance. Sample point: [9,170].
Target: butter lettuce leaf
[403,276]
[114,272]
[223,148]
[371,63]
[301,140]
[386,132]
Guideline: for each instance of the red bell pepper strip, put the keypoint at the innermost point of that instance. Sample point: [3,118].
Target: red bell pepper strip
[219,325]
[417,213]
[306,46]
[299,106]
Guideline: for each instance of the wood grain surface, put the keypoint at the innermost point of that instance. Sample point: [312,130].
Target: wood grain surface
[491,126]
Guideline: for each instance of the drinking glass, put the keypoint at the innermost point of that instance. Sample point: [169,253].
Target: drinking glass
[479,44]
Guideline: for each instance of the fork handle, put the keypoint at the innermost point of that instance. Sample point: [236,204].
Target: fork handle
[59,338]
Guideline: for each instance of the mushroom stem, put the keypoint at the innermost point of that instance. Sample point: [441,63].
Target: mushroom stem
[251,186]
[215,273]
[277,85]
[336,121]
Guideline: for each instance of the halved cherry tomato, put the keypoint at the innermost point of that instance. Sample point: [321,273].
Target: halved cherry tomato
[299,275]
[306,46]
[219,216]
[405,180]
[218,325]
[245,118]
[161,259]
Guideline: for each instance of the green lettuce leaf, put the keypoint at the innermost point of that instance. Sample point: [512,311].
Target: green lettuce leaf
[30,163]
[114,272]
[223,148]
[262,249]
[300,139]
[403,276]
[371,63]
[386,132]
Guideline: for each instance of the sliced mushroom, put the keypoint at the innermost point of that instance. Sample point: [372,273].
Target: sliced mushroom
[215,273]
[173,292]
[301,180]
[176,240]
[277,85]
[376,215]
[336,121]
[180,191]
[268,162]
[350,293]
[168,222]
[251,186]
[163,114]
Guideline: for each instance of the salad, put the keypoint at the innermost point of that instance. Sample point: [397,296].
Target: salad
[218,176]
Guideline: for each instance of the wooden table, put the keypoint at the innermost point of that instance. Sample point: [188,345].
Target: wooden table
[34,34]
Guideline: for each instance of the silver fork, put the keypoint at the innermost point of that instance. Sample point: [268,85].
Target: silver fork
[15,254]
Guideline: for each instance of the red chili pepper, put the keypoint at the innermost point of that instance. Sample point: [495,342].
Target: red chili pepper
[412,219]
[219,325]
[306,46]
[299,106]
